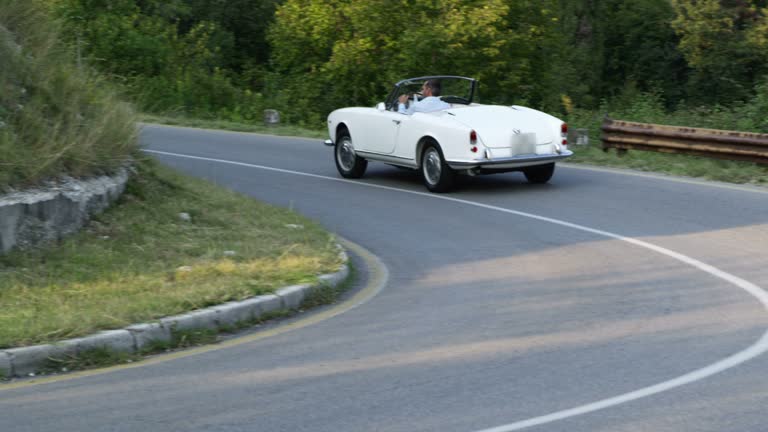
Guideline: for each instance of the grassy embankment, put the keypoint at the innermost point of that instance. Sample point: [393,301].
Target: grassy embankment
[55,117]
[139,260]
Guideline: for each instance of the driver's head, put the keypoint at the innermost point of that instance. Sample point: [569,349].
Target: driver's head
[431,88]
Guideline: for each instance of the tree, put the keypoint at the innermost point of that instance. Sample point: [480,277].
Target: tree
[718,39]
[618,45]
[163,57]
[328,54]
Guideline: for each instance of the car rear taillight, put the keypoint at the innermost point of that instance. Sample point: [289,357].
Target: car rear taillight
[473,137]
[564,133]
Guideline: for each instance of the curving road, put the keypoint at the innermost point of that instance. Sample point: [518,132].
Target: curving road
[603,301]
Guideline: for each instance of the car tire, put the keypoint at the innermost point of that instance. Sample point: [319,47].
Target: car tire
[539,174]
[349,164]
[437,175]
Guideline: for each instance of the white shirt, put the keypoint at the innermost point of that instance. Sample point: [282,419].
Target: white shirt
[428,104]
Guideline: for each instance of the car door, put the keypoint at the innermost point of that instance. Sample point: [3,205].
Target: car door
[380,131]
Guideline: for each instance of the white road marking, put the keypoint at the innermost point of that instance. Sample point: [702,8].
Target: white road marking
[754,350]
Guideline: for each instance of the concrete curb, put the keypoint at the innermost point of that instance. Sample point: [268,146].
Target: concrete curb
[29,361]
[46,214]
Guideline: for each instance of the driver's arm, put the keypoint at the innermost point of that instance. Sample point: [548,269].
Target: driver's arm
[401,108]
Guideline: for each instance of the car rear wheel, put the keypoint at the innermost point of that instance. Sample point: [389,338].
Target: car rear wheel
[438,176]
[349,164]
[539,173]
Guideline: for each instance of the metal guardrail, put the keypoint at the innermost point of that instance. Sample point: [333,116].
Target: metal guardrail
[714,143]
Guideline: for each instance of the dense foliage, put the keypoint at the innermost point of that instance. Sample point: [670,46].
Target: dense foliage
[232,58]
[55,117]
[354,51]
[205,58]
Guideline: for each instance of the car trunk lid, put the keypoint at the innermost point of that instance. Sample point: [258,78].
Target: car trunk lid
[506,127]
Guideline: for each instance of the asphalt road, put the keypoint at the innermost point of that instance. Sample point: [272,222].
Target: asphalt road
[602,301]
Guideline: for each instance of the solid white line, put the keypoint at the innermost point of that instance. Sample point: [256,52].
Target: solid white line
[754,350]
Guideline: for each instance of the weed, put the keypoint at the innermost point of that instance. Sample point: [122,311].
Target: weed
[327,294]
[89,359]
[190,338]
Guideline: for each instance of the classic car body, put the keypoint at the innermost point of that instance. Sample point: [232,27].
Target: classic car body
[465,138]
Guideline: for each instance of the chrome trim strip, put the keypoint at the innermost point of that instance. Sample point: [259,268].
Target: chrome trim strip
[394,160]
[508,162]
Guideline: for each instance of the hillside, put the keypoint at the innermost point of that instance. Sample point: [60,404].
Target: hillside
[56,118]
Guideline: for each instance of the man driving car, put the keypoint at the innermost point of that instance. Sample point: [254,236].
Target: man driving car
[430,90]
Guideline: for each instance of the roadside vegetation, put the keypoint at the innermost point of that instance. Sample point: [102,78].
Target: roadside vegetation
[696,63]
[230,60]
[172,244]
[699,63]
[256,127]
[750,116]
[55,118]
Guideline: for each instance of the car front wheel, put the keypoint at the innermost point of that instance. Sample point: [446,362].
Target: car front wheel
[438,176]
[539,173]
[349,164]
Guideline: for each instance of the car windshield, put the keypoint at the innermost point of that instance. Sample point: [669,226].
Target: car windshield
[454,90]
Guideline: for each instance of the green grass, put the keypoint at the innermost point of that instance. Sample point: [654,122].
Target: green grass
[56,118]
[676,165]
[139,261]
[103,357]
[672,164]
[649,108]
[280,129]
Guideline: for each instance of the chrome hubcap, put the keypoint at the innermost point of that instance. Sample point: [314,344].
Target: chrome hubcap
[432,166]
[346,154]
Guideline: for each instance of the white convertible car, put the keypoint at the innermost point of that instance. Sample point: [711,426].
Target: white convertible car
[461,138]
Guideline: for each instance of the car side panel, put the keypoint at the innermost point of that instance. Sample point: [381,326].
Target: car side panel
[439,126]
[371,130]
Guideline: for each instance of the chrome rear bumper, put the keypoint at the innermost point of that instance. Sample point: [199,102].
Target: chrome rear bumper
[511,162]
